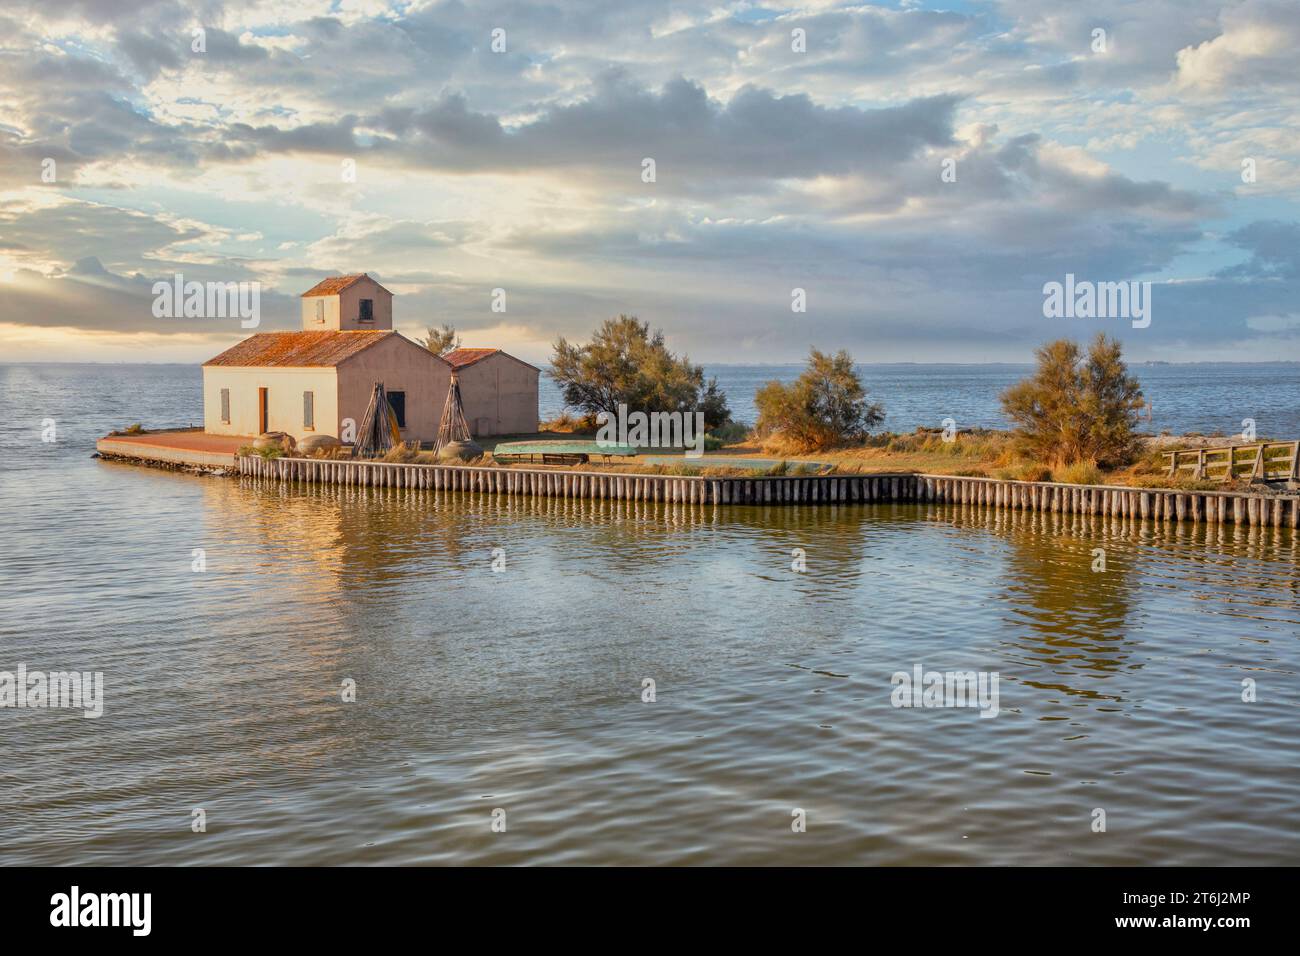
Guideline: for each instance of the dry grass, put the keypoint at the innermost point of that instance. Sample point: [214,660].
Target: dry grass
[987,453]
[977,453]
[567,424]
[974,453]
[1080,473]
[275,451]
[337,453]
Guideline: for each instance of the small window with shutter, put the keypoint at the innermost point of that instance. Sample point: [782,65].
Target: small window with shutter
[320,311]
[308,409]
[225,406]
[367,310]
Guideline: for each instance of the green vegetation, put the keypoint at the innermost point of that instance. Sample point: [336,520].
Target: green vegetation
[274,451]
[625,364]
[409,453]
[1079,473]
[732,433]
[825,407]
[1077,409]
[441,341]
[1031,472]
[566,424]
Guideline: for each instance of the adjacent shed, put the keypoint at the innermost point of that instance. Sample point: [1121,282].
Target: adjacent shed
[499,391]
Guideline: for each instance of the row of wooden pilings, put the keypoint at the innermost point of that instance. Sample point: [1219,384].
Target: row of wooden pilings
[1215,507]
[1154,504]
[612,486]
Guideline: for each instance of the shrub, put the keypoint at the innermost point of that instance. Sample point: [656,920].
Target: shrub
[825,407]
[567,423]
[1079,473]
[625,364]
[1076,408]
[1180,483]
[402,454]
[1033,472]
[441,341]
[275,451]
[729,433]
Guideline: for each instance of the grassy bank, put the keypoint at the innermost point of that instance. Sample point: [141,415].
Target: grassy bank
[991,454]
[975,453]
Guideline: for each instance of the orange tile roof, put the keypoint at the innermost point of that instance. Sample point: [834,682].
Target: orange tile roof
[298,349]
[459,358]
[336,284]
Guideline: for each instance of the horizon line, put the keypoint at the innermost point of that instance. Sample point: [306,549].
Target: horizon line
[752,364]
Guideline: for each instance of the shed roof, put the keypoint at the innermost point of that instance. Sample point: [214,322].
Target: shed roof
[336,284]
[299,349]
[460,358]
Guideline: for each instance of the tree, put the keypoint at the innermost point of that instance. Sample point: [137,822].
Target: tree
[626,364]
[441,341]
[825,407]
[1076,408]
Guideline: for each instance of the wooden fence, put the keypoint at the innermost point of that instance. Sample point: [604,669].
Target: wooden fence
[1266,461]
[1244,508]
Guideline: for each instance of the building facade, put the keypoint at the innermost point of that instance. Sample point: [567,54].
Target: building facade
[319,381]
[499,391]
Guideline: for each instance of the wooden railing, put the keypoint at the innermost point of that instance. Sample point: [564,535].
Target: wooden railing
[1263,461]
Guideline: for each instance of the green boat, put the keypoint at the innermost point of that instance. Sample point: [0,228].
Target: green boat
[560,452]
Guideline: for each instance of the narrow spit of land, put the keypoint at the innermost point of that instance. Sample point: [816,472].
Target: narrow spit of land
[983,454]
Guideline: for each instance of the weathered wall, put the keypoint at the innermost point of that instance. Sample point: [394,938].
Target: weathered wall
[500,396]
[284,399]
[342,312]
[402,366]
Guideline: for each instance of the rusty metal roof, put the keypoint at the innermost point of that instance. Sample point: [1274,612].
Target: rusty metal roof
[298,349]
[336,284]
[459,358]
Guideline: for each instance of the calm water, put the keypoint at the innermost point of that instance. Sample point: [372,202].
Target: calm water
[521,690]
[1201,398]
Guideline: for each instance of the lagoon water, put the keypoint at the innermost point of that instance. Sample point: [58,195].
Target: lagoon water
[522,689]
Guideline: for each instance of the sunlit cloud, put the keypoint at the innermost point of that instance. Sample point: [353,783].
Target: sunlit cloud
[311,137]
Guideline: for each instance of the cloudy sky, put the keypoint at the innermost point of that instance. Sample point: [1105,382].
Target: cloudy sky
[775,168]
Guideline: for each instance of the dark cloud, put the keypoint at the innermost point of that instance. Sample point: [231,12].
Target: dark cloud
[1274,248]
[756,134]
[775,169]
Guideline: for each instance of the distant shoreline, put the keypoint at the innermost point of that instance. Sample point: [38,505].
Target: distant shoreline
[795,362]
